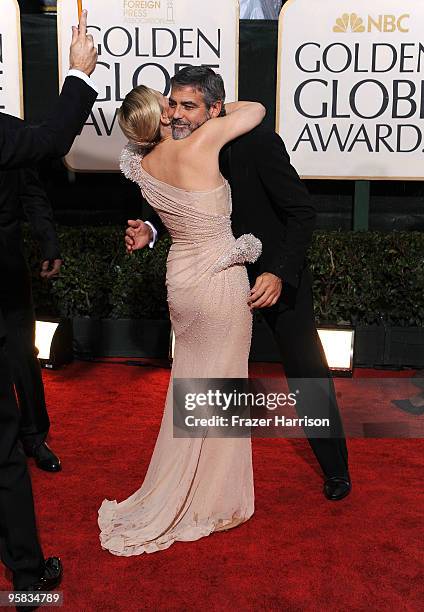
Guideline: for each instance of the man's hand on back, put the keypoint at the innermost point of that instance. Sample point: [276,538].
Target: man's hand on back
[266,291]
[83,54]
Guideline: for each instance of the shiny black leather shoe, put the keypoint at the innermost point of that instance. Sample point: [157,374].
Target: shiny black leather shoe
[337,487]
[45,458]
[51,578]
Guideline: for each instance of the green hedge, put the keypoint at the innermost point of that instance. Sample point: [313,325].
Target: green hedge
[359,277]
[99,280]
[369,277]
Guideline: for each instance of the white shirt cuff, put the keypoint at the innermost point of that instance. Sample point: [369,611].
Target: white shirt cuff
[155,234]
[81,75]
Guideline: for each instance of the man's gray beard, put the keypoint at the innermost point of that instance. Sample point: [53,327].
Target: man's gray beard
[180,134]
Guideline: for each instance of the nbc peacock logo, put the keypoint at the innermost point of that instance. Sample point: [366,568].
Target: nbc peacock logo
[349,23]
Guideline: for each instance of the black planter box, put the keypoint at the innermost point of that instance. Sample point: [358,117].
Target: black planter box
[375,346]
[369,349]
[143,338]
[404,346]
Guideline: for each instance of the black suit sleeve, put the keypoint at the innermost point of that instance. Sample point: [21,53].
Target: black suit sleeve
[22,145]
[152,217]
[38,212]
[291,202]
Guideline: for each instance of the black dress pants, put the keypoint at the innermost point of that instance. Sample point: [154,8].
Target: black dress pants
[292,322]
[19,546]
[18,313]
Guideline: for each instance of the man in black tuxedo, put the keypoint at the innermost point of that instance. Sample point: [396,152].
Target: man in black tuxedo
[21,145]
[271,202]
[21,193]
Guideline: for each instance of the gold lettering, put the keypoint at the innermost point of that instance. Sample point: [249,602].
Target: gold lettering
[399,23]
[378,25]
[389,23]
[142,4]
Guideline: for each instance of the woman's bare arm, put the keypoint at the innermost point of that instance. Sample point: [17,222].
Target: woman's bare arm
[241,118]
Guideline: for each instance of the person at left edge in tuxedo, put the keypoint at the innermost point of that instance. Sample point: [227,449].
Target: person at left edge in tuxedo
[20,146]
[22,191]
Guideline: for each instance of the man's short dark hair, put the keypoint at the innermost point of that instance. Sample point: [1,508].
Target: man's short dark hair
[205,80]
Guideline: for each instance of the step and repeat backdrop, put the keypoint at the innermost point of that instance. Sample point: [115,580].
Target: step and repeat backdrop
[349,94]
[350,100]
[144,42]
[11,96]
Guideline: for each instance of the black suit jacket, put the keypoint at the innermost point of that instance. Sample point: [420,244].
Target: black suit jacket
[23,195]
[269,201]
[22,145]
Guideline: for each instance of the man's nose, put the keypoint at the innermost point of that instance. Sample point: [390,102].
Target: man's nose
[177,113]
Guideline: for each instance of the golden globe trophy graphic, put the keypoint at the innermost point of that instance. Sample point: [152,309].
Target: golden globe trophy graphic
[170,10]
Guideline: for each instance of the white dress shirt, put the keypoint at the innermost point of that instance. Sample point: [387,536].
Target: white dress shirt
[81,75]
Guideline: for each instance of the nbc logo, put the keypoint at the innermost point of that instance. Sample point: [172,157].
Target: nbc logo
[351,23]
[382,23]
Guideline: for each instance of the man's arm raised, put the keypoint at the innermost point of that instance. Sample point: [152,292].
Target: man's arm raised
[22,145]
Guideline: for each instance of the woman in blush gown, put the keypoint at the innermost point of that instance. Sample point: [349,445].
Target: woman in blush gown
[193,486]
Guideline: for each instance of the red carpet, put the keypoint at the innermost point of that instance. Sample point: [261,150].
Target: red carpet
[298,552]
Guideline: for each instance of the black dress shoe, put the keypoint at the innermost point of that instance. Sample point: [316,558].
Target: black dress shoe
[337,487]
[45,458]
[51,578]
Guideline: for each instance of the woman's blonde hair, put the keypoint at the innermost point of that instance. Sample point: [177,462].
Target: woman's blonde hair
[139,117]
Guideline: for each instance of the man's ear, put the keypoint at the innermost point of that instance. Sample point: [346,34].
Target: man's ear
[215,109]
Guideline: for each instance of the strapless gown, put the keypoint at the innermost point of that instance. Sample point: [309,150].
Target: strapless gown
[193,486]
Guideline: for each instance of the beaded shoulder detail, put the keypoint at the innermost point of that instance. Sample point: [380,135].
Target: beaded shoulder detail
[130,162]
